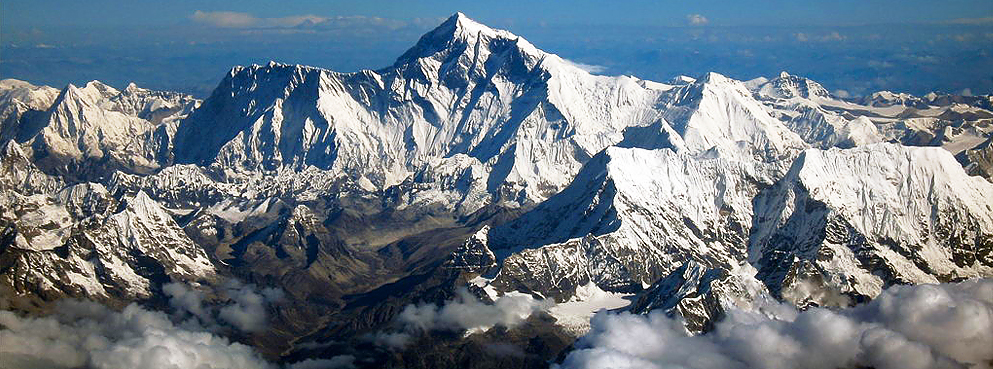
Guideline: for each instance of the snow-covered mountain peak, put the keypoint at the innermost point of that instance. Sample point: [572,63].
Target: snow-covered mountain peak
[462,39]
[716,115]
[99,87]
[862,218]
[463,89]
[93,94]
[630,217]
[714,78]
[904,170]
[788,86]
[34,97]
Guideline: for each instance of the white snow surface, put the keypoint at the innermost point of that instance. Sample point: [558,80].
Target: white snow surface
[915,208]
[631,217]
[574,315]
[529,118]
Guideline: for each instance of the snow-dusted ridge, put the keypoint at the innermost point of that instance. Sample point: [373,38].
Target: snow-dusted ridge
[861,219]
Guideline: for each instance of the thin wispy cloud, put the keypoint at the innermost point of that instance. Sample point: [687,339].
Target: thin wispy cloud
[973,21]
[227,19]
[239,20]
[834,36]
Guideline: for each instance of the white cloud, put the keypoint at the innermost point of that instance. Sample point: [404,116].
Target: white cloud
[878,64]
[86,334]
[696,20]
[248,312]
[391,340]
[226,19]
[466,312]
[242,306]
[928,326]
[802,37]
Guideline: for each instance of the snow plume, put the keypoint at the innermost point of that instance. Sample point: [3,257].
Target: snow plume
[243,306]
[466,312]
[588,68]
[86,334]
[926,326]
[806,291]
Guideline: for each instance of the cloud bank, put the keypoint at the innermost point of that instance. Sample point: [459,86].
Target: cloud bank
[86,334]
[926,326]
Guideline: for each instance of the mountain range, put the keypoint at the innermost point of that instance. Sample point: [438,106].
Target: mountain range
[480,162]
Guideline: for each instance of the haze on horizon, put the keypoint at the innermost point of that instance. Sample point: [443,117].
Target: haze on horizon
[852,47]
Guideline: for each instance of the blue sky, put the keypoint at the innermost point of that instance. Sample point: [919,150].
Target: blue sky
[852,47]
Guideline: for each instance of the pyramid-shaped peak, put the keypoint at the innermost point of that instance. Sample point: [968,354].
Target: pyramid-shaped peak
[789,86]
[461,24]
[712,78]
[94,91]
[101,88]
[458,31]
[91,93]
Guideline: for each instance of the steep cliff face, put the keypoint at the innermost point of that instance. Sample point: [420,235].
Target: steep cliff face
[978,161]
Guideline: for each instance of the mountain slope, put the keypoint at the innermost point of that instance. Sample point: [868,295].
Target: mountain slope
[631,217]
[718,114]
[91,131]
[857,220]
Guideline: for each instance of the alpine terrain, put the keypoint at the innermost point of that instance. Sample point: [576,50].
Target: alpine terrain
[478,201]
